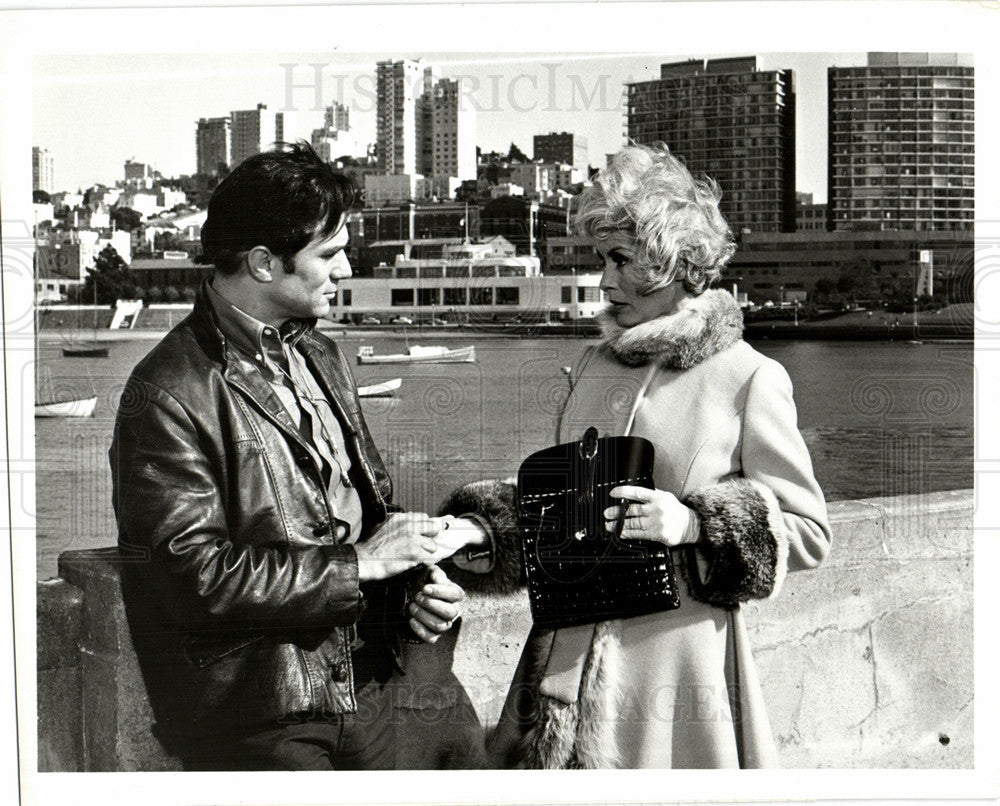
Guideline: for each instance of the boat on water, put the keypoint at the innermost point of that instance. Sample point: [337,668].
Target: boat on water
[77,407]
[385,389]
[417,354]
[85,350]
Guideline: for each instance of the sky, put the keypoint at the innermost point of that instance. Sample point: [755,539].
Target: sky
[95,111]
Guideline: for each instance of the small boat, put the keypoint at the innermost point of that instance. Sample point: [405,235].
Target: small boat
[386,389]
[79,407]
[420,355]
[85,350]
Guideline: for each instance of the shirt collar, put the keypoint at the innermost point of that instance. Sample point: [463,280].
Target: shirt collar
[251,335]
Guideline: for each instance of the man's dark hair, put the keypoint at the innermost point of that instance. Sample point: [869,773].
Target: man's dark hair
[280,199]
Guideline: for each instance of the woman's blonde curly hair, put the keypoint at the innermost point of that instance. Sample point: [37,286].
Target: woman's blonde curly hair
[675,219]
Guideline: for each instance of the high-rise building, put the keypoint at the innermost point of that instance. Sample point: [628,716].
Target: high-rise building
[902,143]
[424,127]
[337,117]
[253,131]
[398,141]
[453,131]
[42,170]
[731,121]
[561,147]
[213,145]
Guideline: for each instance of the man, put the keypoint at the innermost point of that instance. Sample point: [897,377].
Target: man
[269,580]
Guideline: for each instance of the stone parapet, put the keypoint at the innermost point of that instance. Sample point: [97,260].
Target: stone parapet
[865,662]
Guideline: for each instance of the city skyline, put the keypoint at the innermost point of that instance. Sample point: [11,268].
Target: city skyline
[516,97]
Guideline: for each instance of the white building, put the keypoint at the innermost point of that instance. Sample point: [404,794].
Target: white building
[467,283]
[167,198]
[566,176]
[43,212]
[382,189]
[453,130]
[141,202]
[43,173]
[537,179]
[332,144]
[505,189]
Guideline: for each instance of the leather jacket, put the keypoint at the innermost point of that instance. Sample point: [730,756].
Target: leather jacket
[242,605]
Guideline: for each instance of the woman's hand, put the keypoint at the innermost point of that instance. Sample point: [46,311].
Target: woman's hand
[652,515]
[455,534]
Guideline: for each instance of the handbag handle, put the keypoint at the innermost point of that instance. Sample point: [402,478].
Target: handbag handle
[639,397]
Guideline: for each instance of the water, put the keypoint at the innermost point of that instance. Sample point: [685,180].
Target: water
[879,419]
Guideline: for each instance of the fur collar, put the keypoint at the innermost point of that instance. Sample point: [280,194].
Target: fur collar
[705,325]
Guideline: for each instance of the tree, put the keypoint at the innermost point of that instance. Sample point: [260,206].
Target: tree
[126,218]
[514,154]
[41,197]
[111,276]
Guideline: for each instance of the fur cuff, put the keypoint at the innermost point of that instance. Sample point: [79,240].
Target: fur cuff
[744,540]
[493,503]
[581,734]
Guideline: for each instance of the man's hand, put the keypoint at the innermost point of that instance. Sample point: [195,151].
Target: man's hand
[404,541]
[434,608]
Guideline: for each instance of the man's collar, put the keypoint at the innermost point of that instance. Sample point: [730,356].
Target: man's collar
[248,333]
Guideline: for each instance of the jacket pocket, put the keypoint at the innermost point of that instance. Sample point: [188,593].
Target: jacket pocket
[204,651]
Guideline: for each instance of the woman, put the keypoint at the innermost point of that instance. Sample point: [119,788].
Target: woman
[735,497]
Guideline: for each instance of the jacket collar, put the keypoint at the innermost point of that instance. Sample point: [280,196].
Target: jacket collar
[705,325]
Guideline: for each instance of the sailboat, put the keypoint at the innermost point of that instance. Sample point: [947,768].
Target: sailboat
[79,406]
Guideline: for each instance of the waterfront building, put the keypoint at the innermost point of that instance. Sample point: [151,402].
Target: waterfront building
[780,267]
[43,174]
[213,145]
[253,131]
[731,121]
[902,143]
[561,147]
[168,279]
[466,283]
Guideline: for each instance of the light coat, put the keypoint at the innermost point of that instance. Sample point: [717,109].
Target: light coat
[678,688]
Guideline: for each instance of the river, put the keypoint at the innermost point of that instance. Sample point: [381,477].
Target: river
[883,418]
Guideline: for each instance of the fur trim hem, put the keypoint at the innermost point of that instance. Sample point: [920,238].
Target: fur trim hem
[706,325]
[493,504]
[744,539]
[581,734]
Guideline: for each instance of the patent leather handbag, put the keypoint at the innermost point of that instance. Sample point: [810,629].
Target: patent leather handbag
[579,572]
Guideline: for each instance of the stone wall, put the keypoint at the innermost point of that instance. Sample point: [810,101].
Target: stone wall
[865,662]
